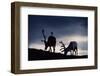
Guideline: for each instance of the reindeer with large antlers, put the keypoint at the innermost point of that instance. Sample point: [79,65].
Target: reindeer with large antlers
[51,42]
[72,48]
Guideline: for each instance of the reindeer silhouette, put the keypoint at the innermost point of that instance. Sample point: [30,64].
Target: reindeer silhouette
[51,42]
[72,48]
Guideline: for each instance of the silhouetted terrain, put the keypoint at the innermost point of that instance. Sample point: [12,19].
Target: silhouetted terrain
[36,54]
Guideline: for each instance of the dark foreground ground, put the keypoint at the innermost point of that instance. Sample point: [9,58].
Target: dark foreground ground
[35,54]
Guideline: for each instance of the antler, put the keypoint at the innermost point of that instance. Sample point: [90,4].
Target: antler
[43,35]
[63,45]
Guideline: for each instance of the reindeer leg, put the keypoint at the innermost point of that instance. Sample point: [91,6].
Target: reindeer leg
[45,48]
[77,52]
[71,52]
[54,49]
[50,49]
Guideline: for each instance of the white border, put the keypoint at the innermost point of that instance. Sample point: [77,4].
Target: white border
[25,64]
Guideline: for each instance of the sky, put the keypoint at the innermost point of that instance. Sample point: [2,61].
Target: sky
[65,28]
